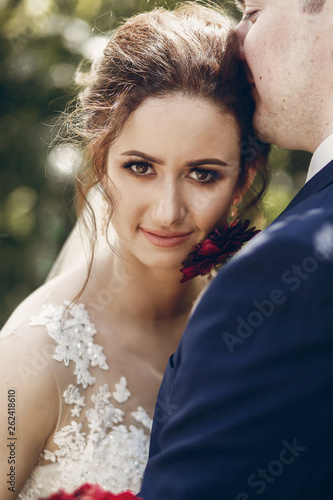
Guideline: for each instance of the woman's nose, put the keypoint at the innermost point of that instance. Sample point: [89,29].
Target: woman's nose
[169,206]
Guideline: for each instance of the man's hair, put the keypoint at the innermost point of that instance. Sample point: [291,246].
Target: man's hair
[313,6]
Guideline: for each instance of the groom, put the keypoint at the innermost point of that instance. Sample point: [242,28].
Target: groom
[245,410]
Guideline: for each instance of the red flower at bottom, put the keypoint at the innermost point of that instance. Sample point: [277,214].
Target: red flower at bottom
[217,248]
[92,492]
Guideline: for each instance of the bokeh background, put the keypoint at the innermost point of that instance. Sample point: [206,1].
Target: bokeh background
[41,44]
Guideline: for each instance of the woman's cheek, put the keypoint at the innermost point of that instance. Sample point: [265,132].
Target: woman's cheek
[213,216]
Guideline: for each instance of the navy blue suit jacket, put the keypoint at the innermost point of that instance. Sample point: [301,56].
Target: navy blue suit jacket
[245,410]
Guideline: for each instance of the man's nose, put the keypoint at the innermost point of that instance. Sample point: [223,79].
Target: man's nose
[169,206]
[242,30]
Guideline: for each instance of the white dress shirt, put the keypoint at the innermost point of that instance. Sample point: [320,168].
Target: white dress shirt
[321,157]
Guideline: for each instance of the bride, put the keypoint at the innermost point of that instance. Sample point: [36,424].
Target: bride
[165,126]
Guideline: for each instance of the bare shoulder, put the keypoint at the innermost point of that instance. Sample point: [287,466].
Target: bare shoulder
[32,380]
[29,407]
[62,288]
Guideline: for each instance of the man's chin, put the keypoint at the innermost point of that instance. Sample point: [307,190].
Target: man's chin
[269,131]
[263,131]
[265,124]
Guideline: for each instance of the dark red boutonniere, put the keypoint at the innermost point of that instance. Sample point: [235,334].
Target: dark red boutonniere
[92,492]
[211,253]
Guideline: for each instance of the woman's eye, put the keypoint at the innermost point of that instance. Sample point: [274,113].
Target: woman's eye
[203,176]
[138,168]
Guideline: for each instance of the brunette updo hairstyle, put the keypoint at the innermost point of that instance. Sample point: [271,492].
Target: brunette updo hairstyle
[191,50]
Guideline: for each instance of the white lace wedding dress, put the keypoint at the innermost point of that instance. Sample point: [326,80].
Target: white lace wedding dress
[106,436]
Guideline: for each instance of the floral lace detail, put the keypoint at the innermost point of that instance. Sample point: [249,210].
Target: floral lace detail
[33,487]
[141,416]
[71,328]
[72,396]
[121,394]
[110,453]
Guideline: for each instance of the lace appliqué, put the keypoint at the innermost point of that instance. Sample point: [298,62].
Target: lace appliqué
[74,333]
[110,453]
[141,416]
[121,394]
[73,396]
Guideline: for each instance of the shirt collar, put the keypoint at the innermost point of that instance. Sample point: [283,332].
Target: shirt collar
[321,157]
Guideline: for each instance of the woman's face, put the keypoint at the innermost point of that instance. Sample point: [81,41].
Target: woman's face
[174,172]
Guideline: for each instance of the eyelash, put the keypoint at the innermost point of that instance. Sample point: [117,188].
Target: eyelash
[250,15]
[214,176]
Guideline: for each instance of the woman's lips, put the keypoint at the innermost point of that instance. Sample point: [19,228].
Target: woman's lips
[166,239]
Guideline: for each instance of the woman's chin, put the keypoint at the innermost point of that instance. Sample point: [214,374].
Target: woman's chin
[148,256]
[168,264]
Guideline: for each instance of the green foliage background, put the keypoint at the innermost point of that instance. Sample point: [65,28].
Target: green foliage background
[41,44]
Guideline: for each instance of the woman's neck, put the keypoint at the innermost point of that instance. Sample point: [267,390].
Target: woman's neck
[140,312]
[127,287]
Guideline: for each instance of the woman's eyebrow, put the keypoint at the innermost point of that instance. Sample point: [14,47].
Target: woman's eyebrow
[207,161]
[194,163]
[152,159]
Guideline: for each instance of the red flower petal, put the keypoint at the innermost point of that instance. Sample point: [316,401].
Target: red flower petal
[189,273]
[92,492]
[218,247]
[209,248]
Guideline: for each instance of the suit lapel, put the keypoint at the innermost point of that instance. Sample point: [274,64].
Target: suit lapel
[322,179]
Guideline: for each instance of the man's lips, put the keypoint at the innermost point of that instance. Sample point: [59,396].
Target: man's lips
[165,239]
[249,75]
